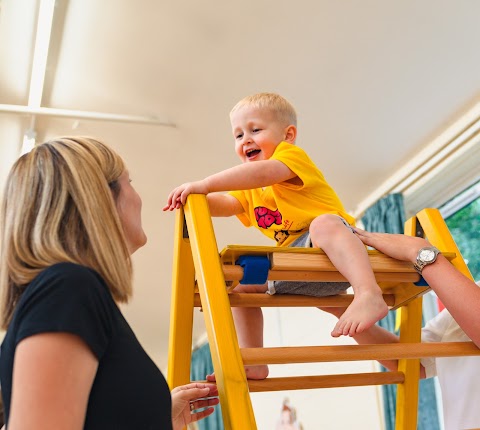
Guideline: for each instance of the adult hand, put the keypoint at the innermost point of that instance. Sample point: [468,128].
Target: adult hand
[179,195]
[188,398]
[398,246]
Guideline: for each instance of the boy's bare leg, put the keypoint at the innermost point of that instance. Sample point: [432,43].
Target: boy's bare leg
[348,254]
[249,327]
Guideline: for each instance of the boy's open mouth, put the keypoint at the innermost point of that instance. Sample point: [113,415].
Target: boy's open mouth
[252,152]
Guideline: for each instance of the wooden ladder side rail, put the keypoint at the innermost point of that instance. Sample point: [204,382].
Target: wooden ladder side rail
[181,309]
[438,234]
[407,392]
[410,332]
[325,381]
[237,410]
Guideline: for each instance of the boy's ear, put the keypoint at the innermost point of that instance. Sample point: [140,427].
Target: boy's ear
[290,134]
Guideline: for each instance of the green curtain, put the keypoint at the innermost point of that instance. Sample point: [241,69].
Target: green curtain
[201,366]
[388,216]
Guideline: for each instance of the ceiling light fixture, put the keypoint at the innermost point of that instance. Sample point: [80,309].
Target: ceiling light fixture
[45,18]
[40,53]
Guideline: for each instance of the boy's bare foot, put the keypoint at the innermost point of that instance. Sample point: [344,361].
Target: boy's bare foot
[364,311]
[252,372]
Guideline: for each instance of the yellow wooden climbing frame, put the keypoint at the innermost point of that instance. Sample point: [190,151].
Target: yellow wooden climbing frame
[202,276]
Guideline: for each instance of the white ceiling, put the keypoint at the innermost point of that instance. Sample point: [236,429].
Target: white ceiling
[373,82]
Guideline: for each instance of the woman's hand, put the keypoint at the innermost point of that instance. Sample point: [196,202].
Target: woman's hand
[186,399]
[398,246]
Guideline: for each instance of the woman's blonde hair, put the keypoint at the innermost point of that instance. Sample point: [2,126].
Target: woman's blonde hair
[59,206]
[282,109]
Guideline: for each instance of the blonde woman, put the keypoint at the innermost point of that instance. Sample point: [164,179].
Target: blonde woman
[70,219]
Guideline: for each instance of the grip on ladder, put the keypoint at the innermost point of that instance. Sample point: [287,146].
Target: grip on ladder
[255,269]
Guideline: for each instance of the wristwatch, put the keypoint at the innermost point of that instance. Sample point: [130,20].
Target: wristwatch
[425,256]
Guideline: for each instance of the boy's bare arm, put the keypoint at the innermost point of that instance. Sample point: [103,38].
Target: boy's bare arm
[223,205]
[242,177]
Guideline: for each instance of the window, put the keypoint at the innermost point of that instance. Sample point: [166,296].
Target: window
[462,216]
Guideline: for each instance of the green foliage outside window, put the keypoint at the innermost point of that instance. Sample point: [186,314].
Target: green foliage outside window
[464,225]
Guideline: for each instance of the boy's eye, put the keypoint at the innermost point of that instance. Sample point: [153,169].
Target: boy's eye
[238,136]
[255,130]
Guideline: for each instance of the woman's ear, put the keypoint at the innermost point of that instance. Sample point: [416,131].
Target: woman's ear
[290,134]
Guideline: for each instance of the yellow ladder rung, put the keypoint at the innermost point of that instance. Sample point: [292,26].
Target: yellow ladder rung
[325,381]
[255,300]
[318,354]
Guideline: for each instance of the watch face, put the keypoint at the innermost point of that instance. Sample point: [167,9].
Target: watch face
[427,255]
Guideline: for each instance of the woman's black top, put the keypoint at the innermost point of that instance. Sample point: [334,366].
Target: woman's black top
[129,391]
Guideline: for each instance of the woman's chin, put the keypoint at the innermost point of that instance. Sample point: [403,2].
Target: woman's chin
[135,246]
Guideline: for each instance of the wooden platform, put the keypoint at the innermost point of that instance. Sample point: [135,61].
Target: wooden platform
[396,278]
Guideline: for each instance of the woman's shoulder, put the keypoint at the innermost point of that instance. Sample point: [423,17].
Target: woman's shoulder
[72,272]
[70,278]
[67,297]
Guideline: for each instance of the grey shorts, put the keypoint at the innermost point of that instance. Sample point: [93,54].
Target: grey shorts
[316,289]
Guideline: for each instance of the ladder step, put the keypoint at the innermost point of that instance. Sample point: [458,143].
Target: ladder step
[255,300]
[325,381]
[317,354]
[320,262]
[311,264]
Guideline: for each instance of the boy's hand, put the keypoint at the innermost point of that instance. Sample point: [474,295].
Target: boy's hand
[179,195]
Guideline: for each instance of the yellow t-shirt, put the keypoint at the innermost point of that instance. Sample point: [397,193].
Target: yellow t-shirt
[284,211]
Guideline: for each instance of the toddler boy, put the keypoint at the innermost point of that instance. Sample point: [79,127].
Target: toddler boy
[280,191]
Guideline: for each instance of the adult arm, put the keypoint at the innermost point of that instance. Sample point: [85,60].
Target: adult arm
[242,177]
[459,294]
[52,377]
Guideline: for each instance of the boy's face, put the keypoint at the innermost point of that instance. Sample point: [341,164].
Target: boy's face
[257,133]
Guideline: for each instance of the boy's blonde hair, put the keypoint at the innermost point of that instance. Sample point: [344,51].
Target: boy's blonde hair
[59,206]
[282,109]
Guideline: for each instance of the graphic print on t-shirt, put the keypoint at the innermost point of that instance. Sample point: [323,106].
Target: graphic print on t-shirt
[266,217]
